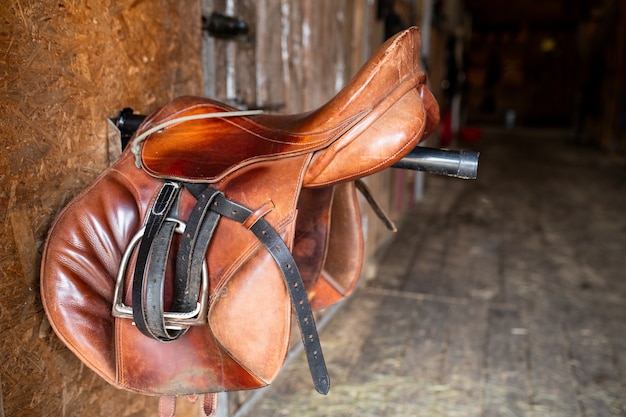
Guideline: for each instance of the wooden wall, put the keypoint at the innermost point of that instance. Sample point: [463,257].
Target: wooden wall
[297,53]
[67,66]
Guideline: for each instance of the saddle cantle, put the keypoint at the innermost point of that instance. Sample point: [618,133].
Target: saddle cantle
[191,250]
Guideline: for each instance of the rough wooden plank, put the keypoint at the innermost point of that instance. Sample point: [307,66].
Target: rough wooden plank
[224,64]
[594,363]
[294,41]
[271,84]
[470,261]
[382,354]
[518,286]
[399,256]
[428,263]
[245,56]
[344,340]
[426,276]
[506,384]
[615,331]
[553,392]
[462,373]
[424,356]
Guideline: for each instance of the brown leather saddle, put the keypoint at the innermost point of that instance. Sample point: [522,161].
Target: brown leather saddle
[177,271]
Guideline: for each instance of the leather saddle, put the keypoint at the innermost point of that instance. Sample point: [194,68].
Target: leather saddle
[178,270]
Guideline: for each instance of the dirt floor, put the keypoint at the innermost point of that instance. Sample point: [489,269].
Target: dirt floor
[504,296]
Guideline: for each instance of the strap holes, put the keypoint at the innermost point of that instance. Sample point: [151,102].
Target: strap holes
[288,266]
[295,285]
[233,212]
[264,232]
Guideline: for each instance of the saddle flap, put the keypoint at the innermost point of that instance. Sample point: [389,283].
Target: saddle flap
[242,348]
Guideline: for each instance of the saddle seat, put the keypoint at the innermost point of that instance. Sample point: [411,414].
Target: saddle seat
[364,128]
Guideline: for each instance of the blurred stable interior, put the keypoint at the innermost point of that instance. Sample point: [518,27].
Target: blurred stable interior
[65,67]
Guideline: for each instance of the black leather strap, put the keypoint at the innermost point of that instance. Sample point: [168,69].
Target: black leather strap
[154,223]
[192,251]
[152,307]
[287,265]
[189,265]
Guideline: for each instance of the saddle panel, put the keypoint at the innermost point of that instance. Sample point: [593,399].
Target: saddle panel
[80,263]
[310,246]
[329,243]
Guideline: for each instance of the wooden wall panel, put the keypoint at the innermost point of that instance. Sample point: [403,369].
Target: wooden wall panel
[64,68]
[297,53]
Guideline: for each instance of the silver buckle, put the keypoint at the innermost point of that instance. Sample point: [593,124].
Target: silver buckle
[173,320]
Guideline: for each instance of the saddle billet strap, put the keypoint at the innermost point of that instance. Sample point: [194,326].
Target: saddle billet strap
[153,307]
[158,213]
[192,250]
[378,210]
[272,241]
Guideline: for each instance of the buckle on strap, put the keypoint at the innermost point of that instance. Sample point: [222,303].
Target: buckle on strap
[173,320]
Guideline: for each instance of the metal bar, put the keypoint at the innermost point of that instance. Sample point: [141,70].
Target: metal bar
[459,164]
